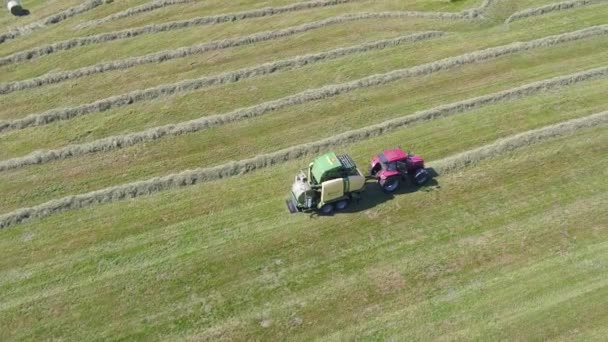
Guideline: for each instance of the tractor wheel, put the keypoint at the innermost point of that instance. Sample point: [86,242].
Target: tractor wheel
[390,184]
[421,176]
[327,209]
[341,204]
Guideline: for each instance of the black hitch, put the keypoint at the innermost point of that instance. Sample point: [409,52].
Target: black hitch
[291,206]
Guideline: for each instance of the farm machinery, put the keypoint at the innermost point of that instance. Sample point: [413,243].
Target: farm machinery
[391,167]
[329,183]
[332,181]
[16,9]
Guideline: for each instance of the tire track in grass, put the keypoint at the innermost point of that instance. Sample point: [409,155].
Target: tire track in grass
[126,140]
[559,6]
[233,76]
[191,177]
[147,7]
[52,19]
[226,43]
[302,97]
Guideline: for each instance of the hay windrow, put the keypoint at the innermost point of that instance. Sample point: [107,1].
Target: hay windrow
[122,141]
[226,77]
[147,7]
[559,6]
[52,19]
[305,96]
[191,177]
[502,146]
[233,42]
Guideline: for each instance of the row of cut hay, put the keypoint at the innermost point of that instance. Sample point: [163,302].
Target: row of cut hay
[479,11]
[52,19]
[190,177]
[233,76]
[147,7]
[254,38]
[201,21]
[122,141]
[302,97]
[502,146]
[560,6]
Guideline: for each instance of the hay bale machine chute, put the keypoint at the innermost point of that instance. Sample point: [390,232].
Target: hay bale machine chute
[332,181]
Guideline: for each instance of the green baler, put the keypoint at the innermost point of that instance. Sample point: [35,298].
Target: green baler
[329,183]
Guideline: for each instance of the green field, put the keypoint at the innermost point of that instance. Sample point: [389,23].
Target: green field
[185,235]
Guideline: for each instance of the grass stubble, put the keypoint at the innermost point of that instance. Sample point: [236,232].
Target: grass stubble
[60,114]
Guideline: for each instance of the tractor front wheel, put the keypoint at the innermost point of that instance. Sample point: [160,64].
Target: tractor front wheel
[327,209]
[390,184]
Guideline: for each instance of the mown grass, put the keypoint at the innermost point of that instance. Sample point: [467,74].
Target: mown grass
[197,10]
[141,77]
[79,175]
[277,130]
[320,38]
[409,265]
[187,11]
[249,92]
[197,104]
[148,43]
[70,27]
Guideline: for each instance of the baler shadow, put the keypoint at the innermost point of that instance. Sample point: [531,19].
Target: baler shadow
[373,195]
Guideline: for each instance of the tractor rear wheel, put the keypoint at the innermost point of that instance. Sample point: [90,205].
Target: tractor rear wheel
[327,209]
[342,204]
[421,176]
[390,184]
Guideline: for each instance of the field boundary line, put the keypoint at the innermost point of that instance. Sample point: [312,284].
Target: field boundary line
[52,19]
[126,140]
[262,69]
[147,7]
[235,168]
[324,92]
[236,41]
[554,7]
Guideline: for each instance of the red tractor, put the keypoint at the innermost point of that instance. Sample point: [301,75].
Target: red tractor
[392,166]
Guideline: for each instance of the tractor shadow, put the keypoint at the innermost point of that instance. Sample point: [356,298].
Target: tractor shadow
[373,195]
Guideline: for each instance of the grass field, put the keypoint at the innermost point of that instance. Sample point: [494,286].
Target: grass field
[147,147]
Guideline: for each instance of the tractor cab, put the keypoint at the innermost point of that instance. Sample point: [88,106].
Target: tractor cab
[395,160]
[392,160]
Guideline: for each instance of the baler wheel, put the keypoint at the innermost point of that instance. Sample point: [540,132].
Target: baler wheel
[327,209]
[341,204]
